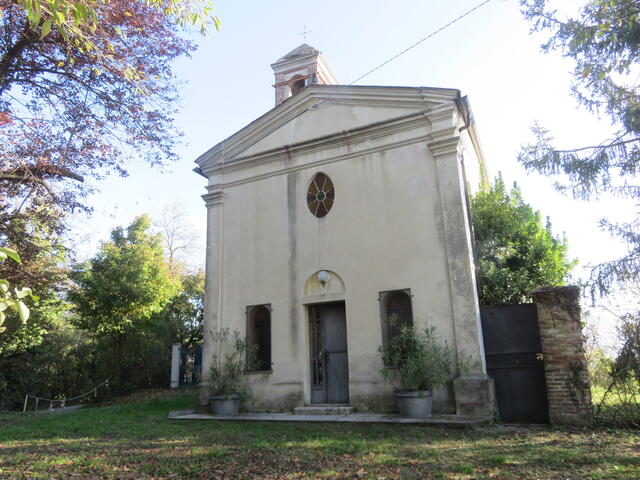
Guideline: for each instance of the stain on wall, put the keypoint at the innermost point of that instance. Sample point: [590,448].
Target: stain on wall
[292,231]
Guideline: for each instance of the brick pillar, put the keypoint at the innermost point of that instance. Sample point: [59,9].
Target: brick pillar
[565,366]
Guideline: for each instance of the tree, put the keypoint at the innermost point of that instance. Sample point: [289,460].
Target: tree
[119,291]
[42,253]
[22,341]
[180,239]
[44,271]
[627,363]
[515,252]
[626,367]
[85,87]
[77,21]
[11,298]
[184,315]
[603,41]
[47,356]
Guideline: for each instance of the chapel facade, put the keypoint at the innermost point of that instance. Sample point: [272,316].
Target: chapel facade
[342,206]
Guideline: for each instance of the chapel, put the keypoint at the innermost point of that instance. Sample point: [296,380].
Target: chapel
[337,208]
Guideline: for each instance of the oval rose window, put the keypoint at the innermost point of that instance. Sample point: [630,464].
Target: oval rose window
[320,195]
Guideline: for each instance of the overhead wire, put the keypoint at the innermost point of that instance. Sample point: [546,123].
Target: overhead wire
[468,12]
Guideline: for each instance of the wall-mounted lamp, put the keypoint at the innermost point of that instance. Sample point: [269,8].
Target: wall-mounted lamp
[323,277]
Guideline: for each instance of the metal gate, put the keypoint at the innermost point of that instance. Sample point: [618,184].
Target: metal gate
[190,365]
[515,362]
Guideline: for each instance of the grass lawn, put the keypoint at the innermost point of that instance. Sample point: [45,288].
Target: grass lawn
[136,440]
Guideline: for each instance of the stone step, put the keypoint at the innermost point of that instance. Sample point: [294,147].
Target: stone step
[324,409]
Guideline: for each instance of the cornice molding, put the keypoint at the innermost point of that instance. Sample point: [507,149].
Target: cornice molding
[213,197]
[351,138]
[446,147]
[294,64]
[425,99]
[408,130]
[445,137]
[338,157]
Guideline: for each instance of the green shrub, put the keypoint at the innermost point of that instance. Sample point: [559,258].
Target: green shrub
[416,358]
[233,355]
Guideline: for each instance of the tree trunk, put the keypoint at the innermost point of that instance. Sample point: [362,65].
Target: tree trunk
[12,55]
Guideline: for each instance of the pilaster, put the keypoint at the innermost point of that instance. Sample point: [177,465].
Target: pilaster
[474,389]
[214,201]
[458,246]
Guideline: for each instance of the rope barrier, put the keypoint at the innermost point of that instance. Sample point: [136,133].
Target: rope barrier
[62,401]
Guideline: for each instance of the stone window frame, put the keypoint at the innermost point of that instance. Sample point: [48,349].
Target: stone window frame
[328,193]
[383,297]
[249,330]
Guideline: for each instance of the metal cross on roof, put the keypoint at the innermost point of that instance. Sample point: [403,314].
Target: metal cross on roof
[304,32]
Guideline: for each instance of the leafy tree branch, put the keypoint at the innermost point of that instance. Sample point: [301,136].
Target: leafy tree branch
[603,41]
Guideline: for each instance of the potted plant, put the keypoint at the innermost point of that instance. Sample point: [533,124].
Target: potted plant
[419,362]
[231,357]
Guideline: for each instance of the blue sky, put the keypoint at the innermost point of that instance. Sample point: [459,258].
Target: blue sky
[489,55]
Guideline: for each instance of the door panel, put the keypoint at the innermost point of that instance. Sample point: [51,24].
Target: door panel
[512,350]
[337,378]
[329,358]
[335,328]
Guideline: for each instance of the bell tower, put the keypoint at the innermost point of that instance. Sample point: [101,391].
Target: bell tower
[300,67]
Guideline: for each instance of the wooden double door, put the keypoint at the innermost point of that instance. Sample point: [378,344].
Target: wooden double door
[329,357]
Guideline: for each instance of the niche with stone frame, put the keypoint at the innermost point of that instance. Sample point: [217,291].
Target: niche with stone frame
[259,337]
[396,312]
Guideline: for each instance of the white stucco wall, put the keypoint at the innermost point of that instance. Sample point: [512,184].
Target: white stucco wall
[384,232]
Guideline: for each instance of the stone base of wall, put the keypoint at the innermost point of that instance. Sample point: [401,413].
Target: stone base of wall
[475,395]
[382,402]
[285,403]
[379,397]
[203,403]
[260,398]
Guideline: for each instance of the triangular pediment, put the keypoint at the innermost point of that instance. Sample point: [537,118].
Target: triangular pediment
[320,111]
